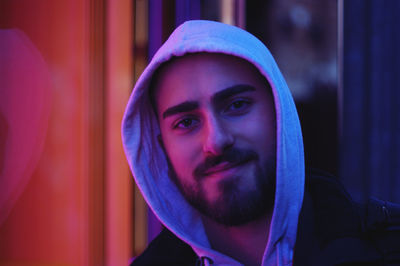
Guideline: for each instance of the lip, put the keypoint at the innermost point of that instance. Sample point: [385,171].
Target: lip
[223,168]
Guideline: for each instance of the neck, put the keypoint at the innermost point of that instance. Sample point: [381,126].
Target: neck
[245,243]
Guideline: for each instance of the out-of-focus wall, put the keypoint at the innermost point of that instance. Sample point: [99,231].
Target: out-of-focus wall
[370,98]
[302,36]
[65,74]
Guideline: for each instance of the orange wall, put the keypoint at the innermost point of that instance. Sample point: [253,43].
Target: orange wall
[47,223]
[119,183]
[47,213]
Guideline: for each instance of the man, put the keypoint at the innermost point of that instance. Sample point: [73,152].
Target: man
[214,142]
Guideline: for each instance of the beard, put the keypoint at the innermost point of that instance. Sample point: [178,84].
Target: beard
[236,204]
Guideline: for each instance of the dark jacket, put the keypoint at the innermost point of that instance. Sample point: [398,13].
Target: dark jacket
[332,230]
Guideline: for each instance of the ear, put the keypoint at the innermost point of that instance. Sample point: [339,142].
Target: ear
[160,142]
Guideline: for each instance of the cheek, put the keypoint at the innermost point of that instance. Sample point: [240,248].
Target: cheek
[260,126]
[261,131]
[182,152]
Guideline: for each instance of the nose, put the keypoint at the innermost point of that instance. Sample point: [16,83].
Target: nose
[218,137]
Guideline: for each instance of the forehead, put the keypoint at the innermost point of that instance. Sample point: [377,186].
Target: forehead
[201,75]
[217,65]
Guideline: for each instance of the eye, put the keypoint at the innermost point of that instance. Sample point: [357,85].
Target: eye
[238,107]
[186,123]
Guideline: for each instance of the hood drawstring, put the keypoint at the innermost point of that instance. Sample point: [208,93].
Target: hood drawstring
[204,261]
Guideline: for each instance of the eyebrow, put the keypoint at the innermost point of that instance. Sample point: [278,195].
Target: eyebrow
[231,91]
[218,97]
[181,108]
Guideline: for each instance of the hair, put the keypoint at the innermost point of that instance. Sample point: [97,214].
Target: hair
[154,83]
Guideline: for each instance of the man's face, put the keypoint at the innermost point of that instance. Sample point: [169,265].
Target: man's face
[217,121]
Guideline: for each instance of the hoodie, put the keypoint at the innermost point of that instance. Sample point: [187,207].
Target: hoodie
[148,161]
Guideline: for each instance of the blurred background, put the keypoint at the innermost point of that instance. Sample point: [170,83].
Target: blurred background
[67,68]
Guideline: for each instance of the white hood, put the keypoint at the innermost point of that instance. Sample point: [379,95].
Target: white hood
[149,165]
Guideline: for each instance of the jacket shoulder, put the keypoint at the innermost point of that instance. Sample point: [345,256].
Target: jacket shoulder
[351,232]
[382,227]
[166,249]
[336,214]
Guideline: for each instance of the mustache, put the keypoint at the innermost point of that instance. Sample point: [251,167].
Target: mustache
[231,156]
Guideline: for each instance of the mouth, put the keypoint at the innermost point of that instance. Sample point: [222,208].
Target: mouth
[223,167]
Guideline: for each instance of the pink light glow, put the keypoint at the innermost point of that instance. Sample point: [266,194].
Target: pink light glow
[24,112]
